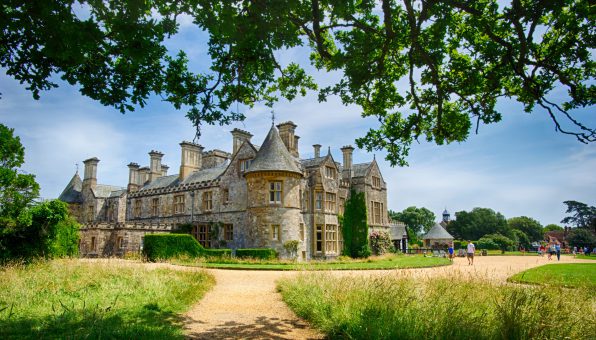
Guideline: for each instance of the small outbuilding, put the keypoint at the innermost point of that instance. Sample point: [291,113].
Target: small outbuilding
[437,238]
[399,236]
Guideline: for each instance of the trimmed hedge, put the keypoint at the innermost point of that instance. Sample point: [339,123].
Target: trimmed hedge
[223,252]
[257,253]
[165,246]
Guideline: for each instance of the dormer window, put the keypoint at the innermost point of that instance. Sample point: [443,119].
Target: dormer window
[330,172]
[245,164]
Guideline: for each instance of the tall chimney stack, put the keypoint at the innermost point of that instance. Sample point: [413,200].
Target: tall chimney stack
[296,138]
[347,166]
[144,173]
[133,177]
[90,177]
[239,137]
[317,148]
[155,165]
[287,134]
[191,159]
[164,170]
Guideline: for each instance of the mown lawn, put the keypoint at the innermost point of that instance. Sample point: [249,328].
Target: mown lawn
[389,307]
[381,262]
[560,274]
[586,257]
[71,299]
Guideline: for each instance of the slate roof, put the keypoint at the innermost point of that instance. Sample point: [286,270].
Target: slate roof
[437,232]
[196,177]
[359,170]
[105,191]
[310,162]
[206,174]
[273,156]
[161,182]
[117,193]
[397,231]
[72,192]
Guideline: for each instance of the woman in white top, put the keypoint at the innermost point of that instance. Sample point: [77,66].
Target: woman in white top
[470,252]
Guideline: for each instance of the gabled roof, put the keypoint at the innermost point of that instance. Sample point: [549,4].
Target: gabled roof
[72,191]
[437,232]
[273,156]
[359,170]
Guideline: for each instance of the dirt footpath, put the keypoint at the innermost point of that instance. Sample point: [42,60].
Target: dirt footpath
[245,304]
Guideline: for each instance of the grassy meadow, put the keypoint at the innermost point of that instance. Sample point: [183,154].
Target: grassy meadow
[392,307]
[76,299]
[387,261]
[586,257]
[560,274]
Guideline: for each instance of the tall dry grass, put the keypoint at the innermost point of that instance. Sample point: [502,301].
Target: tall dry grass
[77,299]
[391,307]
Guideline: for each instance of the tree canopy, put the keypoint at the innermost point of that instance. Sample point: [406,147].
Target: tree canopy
[582,215]
[17,190]
[552,227]
[529,226]
[477,223]
[29,229]
[424,69]
[416,219]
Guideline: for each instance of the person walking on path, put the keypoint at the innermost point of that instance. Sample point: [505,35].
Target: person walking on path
[551,251]
[470,252]
[558,251]
[451,253]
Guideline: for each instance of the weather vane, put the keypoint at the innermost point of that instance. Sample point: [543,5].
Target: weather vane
[77,165]
[272,118]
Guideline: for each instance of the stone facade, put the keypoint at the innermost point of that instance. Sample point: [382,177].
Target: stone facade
[254,197]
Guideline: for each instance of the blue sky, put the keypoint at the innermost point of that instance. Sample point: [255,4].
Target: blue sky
[519,167]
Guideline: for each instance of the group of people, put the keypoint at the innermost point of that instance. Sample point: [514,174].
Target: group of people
[553,248]
[585,250]
[470,250]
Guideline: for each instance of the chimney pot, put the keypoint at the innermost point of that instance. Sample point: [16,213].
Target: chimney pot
[317,148]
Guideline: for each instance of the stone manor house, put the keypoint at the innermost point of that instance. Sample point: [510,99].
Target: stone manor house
[253,197]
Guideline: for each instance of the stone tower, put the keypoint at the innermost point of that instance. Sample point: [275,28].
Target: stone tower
[273,210]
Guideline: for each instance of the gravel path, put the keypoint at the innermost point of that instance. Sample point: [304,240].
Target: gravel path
[245,304]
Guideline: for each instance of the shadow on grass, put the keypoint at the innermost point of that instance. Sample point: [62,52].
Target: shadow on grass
[262,328]
[147,322]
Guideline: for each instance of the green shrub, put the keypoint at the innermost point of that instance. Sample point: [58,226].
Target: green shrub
[223,252]
[292,247]
[380,242]
[166,246]
[354,228]
[495,241]
[43,230]
[183,228]
[486,243]
[257,253]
